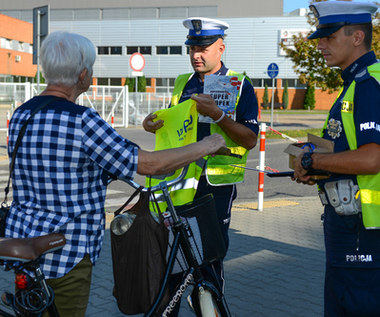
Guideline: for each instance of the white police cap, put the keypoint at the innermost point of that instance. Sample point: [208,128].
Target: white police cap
[332,15]
[204,31]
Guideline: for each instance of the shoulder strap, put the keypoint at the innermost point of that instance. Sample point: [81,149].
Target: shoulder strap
[137,191]
[18,141]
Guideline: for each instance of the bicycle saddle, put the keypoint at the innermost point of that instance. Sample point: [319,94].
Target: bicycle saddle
[29,249]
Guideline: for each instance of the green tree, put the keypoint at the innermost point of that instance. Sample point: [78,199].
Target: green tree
[42,79]
[131,84]
[309,102]
[376,33]
[309,63]
[285,96]
[266,96]
[141,84]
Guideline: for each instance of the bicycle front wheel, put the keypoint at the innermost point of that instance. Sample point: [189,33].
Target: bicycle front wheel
[208,303]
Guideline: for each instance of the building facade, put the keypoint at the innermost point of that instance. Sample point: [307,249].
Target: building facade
[16,50]
[154,28]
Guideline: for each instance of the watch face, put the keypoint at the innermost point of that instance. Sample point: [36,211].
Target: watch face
[307,161]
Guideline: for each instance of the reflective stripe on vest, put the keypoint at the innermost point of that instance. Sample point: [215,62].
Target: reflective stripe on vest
[219,170]
[180,127]
[369,185]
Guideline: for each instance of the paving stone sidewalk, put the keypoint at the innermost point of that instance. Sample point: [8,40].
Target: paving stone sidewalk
[274,267]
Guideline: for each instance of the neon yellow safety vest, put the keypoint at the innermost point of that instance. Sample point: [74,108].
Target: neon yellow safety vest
[369,185]
[219,170]
[180,129]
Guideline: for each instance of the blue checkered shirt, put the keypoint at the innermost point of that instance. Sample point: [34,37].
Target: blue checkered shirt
[60,178]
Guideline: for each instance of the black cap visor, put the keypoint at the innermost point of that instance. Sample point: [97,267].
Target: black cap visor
[323,32]
[202,40]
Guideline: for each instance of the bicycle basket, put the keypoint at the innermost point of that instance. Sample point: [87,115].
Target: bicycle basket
[206,236]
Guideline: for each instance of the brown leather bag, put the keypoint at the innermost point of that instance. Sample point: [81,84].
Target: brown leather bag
[139,259]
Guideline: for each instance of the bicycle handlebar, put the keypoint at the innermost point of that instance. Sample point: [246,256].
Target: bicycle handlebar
[155,188]
[221,151]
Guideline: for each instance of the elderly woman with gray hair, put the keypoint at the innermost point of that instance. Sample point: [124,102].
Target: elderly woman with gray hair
[61,167]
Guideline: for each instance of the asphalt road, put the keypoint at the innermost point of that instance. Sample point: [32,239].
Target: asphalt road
[274,158]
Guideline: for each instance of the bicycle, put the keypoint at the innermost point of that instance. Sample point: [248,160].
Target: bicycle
[32,296]
[207,298]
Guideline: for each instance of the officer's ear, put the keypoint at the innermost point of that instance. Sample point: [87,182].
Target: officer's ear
[221,46]
[358,37]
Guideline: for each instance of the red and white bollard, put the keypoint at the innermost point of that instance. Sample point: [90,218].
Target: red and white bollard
[260,201]
[112,119]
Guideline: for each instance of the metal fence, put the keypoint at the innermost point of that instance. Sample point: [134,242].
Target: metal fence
[114,103]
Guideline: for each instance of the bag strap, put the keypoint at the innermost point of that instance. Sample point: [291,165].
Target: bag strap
[137,191]
[18,141]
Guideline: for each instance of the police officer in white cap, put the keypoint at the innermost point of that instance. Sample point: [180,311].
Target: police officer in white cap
[206,47]
[351,195]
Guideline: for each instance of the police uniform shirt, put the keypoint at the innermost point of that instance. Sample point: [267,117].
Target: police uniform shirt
[344,234]
[246,111]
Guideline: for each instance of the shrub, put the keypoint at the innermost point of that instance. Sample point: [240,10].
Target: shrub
[285,96]
[310,97]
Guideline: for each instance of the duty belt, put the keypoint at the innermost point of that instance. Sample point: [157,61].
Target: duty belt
[343,195]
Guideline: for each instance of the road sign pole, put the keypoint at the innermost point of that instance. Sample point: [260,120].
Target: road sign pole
[272,105]
[272,73]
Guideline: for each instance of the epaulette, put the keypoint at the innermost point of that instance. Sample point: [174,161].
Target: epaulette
[362,75]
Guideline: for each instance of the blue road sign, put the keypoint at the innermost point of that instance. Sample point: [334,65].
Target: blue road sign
[273,70]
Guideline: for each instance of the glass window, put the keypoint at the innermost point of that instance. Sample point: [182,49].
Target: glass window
[132,49]
[162,50]
[257,82]
[148,82]
[103,50]
[146,50]
[115,81]
[268,81]
[103,81]
[160,82]
[299,85]
[291,82]
[115,50]
[175,50]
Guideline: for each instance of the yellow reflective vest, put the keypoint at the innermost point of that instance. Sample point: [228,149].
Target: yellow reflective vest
[218,169]
[369,185]
[180,129]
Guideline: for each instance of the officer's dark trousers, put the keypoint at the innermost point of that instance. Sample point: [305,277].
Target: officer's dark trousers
[352,292]
[223,196]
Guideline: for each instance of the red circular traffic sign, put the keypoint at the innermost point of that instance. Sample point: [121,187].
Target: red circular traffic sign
[137,62]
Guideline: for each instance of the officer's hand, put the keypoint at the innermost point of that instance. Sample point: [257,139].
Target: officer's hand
[206,106]
[300,173]
[150,125]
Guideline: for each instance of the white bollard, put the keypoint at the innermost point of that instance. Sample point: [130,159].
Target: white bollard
[260,201]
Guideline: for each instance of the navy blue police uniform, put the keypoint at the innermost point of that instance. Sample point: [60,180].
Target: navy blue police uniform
[204,32]
[246,114]
[352,252]
[352,278]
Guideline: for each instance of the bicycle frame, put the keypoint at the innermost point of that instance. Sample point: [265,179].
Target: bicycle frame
[181,239]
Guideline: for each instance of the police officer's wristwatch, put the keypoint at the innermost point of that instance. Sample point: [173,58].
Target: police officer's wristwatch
[307,161]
